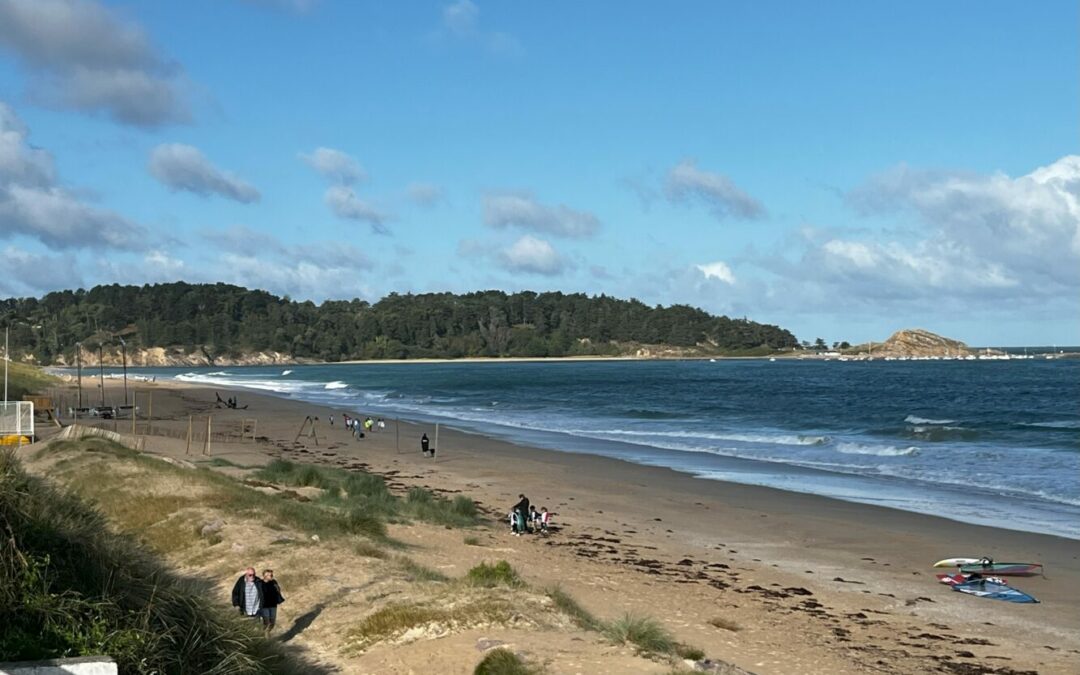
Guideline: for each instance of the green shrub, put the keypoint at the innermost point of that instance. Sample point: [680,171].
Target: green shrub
[489,576]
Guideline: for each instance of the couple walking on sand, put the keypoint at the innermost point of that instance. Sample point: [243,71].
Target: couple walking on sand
[258,598]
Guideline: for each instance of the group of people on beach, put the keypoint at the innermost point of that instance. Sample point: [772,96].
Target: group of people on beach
[258,598]
[358,428]
[525,519]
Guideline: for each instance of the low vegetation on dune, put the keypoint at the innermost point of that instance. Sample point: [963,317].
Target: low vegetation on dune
[502,661]
[365,493]
[25,379]
[194,516]
[70,586]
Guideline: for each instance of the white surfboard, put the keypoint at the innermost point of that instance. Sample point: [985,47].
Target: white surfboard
[956,562]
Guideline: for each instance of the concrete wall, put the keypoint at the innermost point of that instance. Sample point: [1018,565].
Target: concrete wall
[85,665]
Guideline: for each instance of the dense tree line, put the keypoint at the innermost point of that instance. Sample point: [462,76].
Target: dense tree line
[229,320]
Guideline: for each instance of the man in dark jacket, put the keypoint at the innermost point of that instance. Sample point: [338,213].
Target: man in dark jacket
[522,507]
[247,594]
[271,599]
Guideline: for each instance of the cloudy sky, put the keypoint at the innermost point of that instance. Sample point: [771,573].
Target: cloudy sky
[842,169]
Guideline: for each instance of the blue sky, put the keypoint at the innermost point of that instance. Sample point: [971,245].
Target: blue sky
[843,170]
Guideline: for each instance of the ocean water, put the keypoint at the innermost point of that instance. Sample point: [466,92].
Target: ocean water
[987,442]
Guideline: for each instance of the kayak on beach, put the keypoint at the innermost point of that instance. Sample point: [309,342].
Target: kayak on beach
[985,587]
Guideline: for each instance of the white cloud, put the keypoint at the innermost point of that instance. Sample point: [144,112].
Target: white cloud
[183,167]
[86,57]
[461,20]
[532,255]
[33,204]
[523,211]
[717,270]
[27,273]
[424,194]
[686,183]
[345,204]
[335,165]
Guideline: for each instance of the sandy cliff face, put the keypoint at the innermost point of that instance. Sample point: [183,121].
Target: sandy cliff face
[176,356]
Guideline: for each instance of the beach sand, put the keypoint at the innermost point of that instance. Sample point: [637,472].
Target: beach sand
[811,584]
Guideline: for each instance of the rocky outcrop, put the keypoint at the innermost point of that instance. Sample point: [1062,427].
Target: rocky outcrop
[177,356]
[917,342]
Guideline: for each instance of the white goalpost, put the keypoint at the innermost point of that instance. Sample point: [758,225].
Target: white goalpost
[16,422]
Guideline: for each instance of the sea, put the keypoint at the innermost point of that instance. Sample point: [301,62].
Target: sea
[984,442]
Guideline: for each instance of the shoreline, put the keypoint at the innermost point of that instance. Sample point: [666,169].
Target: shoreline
[856,559]
[847,487]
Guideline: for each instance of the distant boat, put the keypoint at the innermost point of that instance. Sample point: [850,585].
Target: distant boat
[712,360]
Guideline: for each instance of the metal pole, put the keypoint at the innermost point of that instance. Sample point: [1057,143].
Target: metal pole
[78,368]
[123,350]
[188,451]
[101,373]
[397,436]
[7,359]
[133,413]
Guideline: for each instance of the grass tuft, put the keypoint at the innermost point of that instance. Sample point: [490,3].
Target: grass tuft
[645,633]
[502,661]
[472,540]
[490,576]
[567,605]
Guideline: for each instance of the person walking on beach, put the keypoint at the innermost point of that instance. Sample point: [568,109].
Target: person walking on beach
[247,594]
[331,420]
[522,508]
[425,445]
[272,597]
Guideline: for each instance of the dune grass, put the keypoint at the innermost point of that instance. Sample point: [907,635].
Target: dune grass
[567,605]
[27,379]
[490,576]
[644,633]
[369,494]
[70,586]
[395,620]
[502,661]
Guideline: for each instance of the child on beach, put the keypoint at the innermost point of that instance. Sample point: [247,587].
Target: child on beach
[545,519]
[515,520]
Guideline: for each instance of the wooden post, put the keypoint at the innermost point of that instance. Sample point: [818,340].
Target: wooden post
[206,448]
[254,428]
[435,447]
[397,437]
[188,451]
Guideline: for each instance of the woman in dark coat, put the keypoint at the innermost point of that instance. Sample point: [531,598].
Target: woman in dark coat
[271,599]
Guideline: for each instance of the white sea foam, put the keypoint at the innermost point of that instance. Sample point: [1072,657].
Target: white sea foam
[336,384]
[286,372]
[768,439]
[913,419]
[1060,424]
[878,450]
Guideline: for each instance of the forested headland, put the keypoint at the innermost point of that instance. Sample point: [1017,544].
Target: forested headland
[224,321]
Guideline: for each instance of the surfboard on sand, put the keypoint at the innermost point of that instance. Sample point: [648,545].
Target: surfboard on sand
[1003,568]
[985,587]
[956,562]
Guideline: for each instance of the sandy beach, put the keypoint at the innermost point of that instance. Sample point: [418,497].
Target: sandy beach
[812,584]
